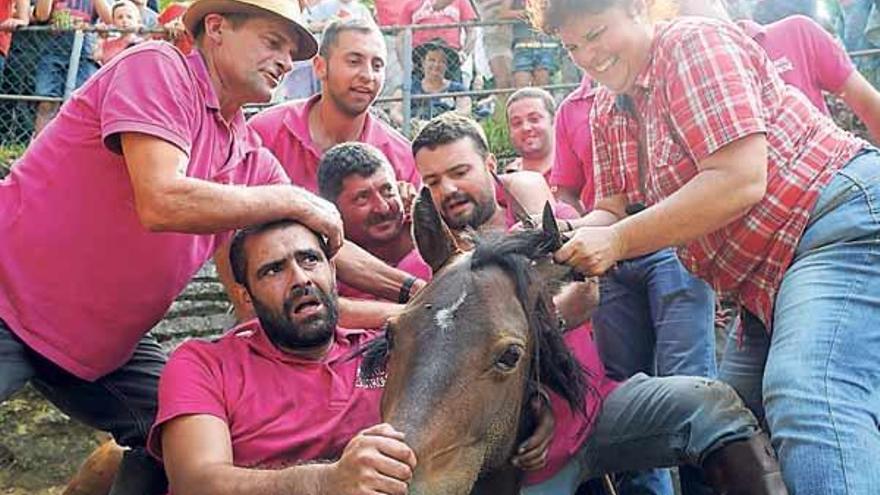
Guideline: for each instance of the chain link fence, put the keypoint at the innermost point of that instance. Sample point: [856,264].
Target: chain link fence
[44,66]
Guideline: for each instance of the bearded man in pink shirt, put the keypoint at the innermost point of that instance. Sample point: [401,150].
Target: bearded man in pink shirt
[123,196]
[277,405]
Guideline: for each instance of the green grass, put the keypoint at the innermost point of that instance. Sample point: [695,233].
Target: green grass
[8,155]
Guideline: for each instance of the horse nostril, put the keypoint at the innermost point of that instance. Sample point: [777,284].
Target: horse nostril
[508,360]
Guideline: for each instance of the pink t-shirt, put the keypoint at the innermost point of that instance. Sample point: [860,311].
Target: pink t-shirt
[422,12]
[805,55]
[412,263]
[284,129]
[281,410]
[573,162]
[572,429]
[81,279]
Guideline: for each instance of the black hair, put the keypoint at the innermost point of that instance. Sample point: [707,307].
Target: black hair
[237,256]
[449,128]
[343,160]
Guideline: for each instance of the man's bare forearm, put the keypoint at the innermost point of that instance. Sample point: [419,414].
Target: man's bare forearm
[358,313]
[306,479]
[358,268]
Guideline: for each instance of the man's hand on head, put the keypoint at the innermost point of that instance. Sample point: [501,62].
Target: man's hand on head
[322,216]
[375,460]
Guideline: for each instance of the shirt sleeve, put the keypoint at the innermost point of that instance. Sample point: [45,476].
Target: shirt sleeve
[713,86]
[832,65]
[163,105]
[190,384]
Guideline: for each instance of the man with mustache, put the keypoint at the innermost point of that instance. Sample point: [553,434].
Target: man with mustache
[276,405]
[358,179]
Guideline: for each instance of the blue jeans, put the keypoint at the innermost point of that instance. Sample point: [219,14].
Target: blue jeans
[821,383]
[531,59]
[52,66]
[655,422]
[122,403]
[658,319]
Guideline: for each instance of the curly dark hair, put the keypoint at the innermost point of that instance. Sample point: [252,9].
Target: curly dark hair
[344,160]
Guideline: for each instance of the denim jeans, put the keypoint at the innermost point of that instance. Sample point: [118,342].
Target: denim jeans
[122,403]
[655,422]
[821,383]
[656,318]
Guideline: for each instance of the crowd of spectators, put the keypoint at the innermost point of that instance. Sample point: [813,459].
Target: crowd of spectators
[506,52]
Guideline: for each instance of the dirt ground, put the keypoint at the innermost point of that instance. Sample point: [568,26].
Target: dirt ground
[40,447]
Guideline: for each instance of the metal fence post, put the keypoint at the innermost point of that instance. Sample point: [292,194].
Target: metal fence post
[73,67]
[406,83]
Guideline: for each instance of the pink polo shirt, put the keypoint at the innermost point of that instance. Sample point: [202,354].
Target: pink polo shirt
[573,163]
[81,280]
[805,55]
[281,410]
[284,129]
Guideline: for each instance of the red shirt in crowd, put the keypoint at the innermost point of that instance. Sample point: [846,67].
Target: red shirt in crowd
[284,129]
[6,8]
[423,12]
[708,84]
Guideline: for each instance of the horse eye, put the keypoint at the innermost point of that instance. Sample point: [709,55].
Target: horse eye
[508,360]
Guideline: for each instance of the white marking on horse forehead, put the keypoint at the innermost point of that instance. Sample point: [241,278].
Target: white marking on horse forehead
[444,316]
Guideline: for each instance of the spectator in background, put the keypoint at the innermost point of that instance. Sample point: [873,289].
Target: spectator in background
[497,41]
[435,66]
[149,17]
[126,16]
[387,14]
[51,69]
[535,55]
[171,19]
[13,14]
[440,12]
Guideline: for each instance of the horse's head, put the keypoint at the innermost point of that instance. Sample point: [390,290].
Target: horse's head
[470,349]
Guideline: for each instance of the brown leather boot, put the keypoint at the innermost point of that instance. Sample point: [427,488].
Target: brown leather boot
[745,467]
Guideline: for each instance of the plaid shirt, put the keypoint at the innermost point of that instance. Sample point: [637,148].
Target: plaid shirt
[707,85]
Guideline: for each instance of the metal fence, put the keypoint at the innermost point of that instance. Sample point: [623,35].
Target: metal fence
[46,64]
[43,67]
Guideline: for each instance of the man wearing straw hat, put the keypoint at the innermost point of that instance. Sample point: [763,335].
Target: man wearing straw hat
[123,196]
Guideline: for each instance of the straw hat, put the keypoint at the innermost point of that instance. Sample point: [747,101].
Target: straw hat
[287,9]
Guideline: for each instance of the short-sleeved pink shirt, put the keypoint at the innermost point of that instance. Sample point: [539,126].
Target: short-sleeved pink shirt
[81,279]
[805,55]
[284,129]
[573,160]
[422,12]
[281,410]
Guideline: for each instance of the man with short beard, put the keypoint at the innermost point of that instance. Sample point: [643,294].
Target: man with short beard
[268,406]
[351,67]
[358,179]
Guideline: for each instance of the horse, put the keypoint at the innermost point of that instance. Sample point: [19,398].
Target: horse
[469,350]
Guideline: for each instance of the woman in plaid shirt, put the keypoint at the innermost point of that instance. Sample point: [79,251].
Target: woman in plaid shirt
[699,144]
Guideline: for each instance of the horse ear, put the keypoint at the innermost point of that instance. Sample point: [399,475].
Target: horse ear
[433,238]
[551,228]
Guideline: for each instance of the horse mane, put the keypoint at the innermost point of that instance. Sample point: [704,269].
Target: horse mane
[515,253]
[557,367]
